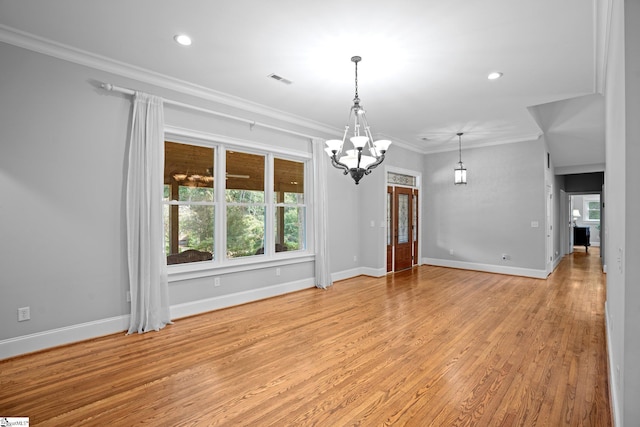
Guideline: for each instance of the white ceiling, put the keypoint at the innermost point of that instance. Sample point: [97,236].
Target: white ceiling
[423,73]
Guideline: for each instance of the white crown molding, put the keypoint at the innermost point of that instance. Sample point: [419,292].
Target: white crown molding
[48,47]
[441,148]
[569,170]
[400,143]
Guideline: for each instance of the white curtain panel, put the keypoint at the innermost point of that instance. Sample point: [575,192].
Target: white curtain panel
[145,244]
[320,215]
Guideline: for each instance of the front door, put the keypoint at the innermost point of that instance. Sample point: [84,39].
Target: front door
[402,228]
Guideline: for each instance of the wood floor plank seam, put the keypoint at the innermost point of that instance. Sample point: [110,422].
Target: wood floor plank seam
[427,346]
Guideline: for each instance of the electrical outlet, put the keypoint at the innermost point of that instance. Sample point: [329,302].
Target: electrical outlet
[450,251]
[128,296]
[24,313]
[216,282]
[506,257]
[277,271]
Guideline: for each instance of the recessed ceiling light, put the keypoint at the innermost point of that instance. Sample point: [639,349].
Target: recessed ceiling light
[495,75]
[182,39]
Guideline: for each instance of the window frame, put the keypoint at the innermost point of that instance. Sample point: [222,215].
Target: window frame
[221,264]
[224,205]
[213,203]
[585,208]
[304,205]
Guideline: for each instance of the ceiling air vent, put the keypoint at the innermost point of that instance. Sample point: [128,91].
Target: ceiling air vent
[280,79]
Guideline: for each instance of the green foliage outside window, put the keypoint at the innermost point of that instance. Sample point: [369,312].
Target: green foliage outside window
[245,222]
[195,222]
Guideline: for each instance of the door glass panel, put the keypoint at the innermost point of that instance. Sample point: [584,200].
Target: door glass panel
[415,218]
[403,218]
[388,218]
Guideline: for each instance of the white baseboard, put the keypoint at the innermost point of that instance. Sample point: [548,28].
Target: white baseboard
[487,268]
[56,337]
[556,263]
[346,274]
[360,271]
[202,306]
[613,379]
[373,272]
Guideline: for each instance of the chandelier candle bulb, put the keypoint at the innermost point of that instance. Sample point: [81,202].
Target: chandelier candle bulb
[334,145]
[382,144]
[359,141]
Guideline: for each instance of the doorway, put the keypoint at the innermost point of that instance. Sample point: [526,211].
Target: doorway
[585,220]
[402,228]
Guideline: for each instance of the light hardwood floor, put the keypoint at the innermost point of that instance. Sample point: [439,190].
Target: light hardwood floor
[432,346]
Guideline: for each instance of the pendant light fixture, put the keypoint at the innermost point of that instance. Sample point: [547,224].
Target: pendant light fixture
[354,162]
[460,172]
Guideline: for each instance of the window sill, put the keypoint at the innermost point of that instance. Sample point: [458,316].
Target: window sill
[197,270]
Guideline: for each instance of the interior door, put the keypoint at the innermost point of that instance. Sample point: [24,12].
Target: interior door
[414,226]
[402,228]
[390,229]
[549,229]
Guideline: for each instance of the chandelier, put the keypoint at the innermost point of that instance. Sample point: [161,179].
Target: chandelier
[354,162]
[460,172]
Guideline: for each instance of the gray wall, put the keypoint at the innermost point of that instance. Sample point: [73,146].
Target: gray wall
[492,214]
[62,172]
[622,95]
[344,228]
[63,145]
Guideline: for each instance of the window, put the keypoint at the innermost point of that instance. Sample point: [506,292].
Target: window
[288,199]
[591,208]
[189,209]
[245,202]
[259,208]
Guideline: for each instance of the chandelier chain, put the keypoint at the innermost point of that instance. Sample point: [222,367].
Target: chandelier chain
[356,59]
[356,80]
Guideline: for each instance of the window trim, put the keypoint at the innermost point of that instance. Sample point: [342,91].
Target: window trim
[221,264]
[585,208]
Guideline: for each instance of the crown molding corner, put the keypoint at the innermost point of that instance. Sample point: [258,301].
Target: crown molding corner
[67,53]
